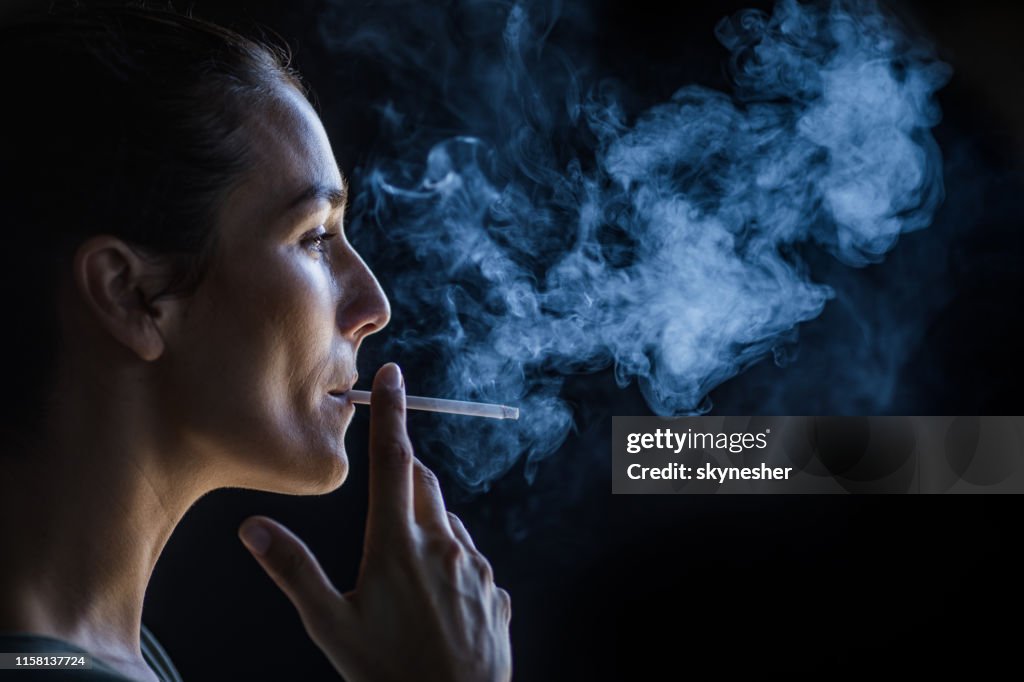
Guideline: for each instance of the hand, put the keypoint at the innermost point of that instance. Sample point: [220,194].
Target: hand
[425,605]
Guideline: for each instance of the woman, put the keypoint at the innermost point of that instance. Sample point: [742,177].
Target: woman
[188,313]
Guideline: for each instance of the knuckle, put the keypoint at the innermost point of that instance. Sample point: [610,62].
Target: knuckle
[483,567]
[505,601]
[398,452]
[426,476]
[448,550]
[453,556]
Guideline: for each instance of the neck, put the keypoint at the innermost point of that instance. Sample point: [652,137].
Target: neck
[85,517]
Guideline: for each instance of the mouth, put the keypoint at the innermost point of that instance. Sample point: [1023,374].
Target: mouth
[340,394]
[341,400]
[342,391]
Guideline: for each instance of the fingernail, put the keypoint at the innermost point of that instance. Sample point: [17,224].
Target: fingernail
[392,376]
[255,537]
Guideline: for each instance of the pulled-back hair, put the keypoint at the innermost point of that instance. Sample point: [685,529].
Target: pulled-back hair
[119,121]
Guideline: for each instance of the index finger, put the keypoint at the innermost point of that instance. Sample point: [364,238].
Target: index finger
[391,457]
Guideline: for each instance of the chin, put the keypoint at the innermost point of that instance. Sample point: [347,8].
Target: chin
[338,475]
[327,475]
[313,476]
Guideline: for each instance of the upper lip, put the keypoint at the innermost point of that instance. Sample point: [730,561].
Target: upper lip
[344,388]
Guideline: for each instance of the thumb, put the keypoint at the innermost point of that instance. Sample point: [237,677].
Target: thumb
[291,565]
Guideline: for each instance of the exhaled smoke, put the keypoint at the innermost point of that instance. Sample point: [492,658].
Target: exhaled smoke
[557,233]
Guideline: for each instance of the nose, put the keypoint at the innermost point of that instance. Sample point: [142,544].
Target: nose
[364,308]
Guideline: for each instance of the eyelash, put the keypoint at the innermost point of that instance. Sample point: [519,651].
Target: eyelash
[318,241]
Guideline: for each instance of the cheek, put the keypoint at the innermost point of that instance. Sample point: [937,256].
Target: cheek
[271,324]
[259,364]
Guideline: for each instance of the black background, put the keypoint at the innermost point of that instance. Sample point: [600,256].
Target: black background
[660,587]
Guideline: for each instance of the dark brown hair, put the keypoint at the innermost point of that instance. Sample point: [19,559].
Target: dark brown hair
[120,121]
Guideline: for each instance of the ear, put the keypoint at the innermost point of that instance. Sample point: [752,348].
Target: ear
[118,286]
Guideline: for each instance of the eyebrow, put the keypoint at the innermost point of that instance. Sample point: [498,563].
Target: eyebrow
[335,196]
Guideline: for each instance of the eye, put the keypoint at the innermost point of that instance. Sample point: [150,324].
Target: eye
[316,241]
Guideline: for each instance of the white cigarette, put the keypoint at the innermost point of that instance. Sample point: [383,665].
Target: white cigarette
[415,402]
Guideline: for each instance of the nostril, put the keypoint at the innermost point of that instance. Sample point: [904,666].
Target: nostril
[358,325]
[371,328]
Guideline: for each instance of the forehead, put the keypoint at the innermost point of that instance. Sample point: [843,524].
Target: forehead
[290,152]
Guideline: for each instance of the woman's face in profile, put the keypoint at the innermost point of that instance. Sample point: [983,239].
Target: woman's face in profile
[275,325]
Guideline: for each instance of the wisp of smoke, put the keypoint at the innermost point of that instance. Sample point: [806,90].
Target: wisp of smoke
[554,233]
